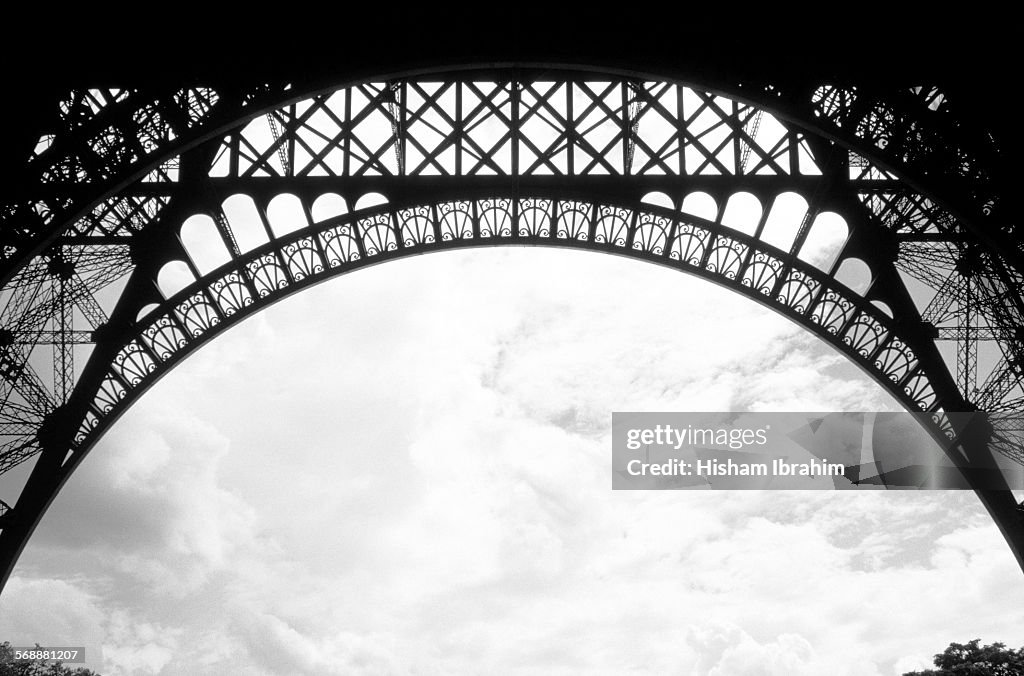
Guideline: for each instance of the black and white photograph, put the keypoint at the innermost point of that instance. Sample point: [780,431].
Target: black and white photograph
[427,341]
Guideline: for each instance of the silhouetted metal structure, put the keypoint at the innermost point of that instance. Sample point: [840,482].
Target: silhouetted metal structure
[149,219]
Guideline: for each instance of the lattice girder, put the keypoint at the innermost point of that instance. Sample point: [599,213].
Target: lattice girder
[855,114]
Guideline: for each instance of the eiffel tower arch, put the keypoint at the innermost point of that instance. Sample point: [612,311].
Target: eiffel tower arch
[147,216]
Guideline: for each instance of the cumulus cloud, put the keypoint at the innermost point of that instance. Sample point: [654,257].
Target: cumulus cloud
[727,650]
[148,502]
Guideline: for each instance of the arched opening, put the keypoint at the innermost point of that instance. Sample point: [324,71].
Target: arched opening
[856,274]
[370,199]
[328,205]
[245,222]
[286,215]
[784,220]
[742,213]
[700,204]
[203,243]
[174,277]
[825,240]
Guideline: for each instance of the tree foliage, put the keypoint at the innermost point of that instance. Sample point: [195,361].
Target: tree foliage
[973,659]
[8,667]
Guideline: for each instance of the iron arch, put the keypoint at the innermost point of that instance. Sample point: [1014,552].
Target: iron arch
[497,156]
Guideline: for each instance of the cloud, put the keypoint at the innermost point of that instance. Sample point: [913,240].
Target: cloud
[405,471]
[52,612]
[727,650]
[135,646]
[148,501]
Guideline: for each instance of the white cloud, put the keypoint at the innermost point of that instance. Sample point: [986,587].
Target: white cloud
[135,646]
[727,650]
[405,471]
[148,503]
[52,612]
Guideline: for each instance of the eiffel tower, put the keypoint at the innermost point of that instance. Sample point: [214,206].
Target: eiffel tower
[146,208]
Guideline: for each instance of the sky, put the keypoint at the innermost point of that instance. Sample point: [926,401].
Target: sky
[405,470]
